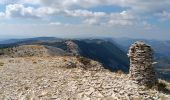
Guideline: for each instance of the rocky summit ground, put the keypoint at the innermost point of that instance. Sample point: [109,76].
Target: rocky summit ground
[67,78]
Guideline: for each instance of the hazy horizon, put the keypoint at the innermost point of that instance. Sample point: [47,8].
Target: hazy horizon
[97,37]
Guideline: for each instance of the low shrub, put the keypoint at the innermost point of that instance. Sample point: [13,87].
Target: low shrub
[161,86]
[84,60]
[120,72]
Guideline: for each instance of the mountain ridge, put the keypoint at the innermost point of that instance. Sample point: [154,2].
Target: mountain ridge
[96,49]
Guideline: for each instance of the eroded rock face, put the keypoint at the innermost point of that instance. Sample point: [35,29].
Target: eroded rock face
[141,64]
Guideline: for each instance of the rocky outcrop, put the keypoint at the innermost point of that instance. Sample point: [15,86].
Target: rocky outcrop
[141,64]
[73,48]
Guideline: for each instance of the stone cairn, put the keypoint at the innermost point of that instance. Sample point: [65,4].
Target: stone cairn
[141,64]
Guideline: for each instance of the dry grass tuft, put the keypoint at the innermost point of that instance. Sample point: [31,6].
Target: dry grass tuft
[120,72]
[163,86]
[2,63]
[64,59]
[34,60]
[84,60]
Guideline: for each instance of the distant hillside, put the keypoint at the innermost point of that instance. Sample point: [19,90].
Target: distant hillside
[161,48]
[31,50]
[9,41]
[103,51]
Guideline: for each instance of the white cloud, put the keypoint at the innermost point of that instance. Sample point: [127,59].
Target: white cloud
[91,21]
[138,6]
[8,1]
[122,18]
[46,11]
[120,22]
[81,3]
[124,15]
[146,25]
[29,1]
[87,17]
[55,23]
[20,11]
[2,15]
[84,13]
[77,8]
[135,13]
[164,15]
[102,18]
[149,6]
[66,3]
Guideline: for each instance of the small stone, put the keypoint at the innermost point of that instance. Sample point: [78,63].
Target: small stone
[43,93]
[90,91]
[85,98]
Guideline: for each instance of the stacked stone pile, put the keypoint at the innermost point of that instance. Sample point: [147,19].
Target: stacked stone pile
[141,64]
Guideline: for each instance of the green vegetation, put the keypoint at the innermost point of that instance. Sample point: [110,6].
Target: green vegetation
[84,60]
[104,52]
[161,86]
[1,63]
[6,51]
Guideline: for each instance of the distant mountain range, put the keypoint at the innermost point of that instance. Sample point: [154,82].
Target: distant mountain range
[107,53]
[111,52]
[10,41]
[161,48]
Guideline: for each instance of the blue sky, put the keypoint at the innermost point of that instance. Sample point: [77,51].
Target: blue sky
[148,19]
